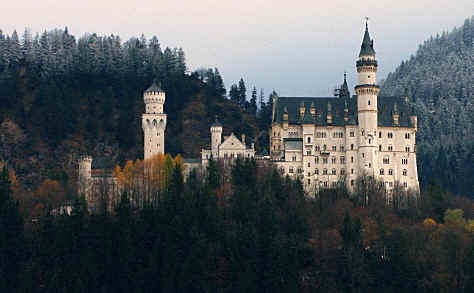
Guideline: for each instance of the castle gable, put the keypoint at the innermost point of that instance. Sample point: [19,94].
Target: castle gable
[232,143]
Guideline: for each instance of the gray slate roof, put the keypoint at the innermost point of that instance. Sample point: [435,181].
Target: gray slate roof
[367,47]
[154,88]
[386,106]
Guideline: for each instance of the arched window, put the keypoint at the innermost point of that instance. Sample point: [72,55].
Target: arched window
[382,172]
[404,172]
[369,100]
[316,171]
[309,139]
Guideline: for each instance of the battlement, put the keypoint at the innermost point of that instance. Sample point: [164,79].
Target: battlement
[154,97]
[85,159]
[216,128]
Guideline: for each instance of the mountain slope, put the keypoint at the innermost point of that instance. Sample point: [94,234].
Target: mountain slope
[439,80]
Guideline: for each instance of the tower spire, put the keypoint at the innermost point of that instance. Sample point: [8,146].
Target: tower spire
[367,47]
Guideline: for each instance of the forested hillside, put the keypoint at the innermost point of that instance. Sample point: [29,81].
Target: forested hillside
[247,231]
[439,79]
[61,96]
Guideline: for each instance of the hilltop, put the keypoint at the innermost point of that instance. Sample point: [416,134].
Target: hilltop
[61,97]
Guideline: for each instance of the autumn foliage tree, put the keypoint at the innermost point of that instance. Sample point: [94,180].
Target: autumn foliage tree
[145,181]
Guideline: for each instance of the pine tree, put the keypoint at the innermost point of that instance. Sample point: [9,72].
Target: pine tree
[234,94]
[253,102]
[242,98]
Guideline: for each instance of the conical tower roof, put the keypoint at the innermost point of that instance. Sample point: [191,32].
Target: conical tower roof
[216,123]
[367,47]
[154,87]
[344,91]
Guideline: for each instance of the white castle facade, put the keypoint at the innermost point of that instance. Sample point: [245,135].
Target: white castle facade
[325,140]
[319,140]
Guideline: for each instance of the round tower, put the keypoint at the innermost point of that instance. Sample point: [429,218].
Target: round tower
[154,121]
[216,138]
[367,92]
[85,170]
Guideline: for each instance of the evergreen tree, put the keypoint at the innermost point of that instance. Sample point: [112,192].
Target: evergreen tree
[242,97]
[253,102]
[234,94]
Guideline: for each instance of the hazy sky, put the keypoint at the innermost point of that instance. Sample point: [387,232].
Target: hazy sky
[295,47]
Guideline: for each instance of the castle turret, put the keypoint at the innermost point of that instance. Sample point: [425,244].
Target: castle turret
[367,92]
[85,173]
[285,118]
[344,90]
[395,114]
[302,110]
[216,138]
[329,115]
[154,121]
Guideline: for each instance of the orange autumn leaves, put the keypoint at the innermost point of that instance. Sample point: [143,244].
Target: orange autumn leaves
[154,173]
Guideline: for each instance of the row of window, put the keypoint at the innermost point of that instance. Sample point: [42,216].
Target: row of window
[325,172]
[390,172]
[318,148]
[232,155]
[386,160]
[324,160]
[322,134]
[291,170]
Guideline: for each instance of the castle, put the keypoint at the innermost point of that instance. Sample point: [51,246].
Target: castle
[322,140]
[319,140]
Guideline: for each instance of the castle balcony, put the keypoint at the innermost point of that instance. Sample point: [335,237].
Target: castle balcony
[324,153]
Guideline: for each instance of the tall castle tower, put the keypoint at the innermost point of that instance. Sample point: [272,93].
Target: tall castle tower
[216,138]
[367,92]
[154,121]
